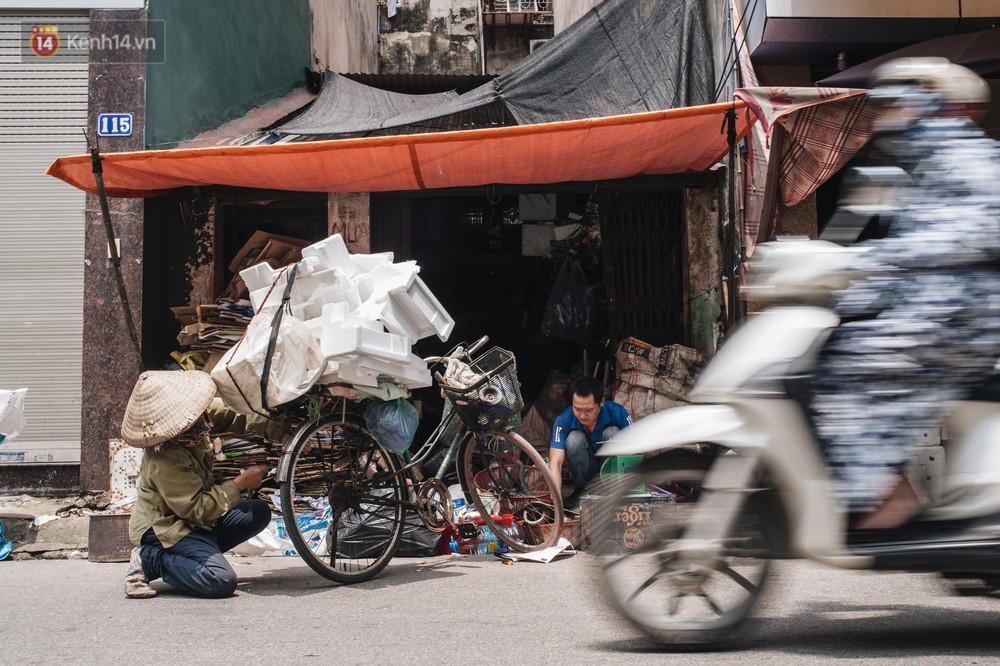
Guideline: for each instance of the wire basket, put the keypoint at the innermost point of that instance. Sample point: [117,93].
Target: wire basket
[494,401]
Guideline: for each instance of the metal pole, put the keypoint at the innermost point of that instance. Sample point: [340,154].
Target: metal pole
[98,169]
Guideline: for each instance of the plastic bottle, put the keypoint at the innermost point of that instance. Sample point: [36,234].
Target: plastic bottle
[453,546]
[514,530]
[487,542]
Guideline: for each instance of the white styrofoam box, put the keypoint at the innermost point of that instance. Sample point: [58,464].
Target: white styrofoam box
[405,321]
[387,277]
[306,285]
[413,373]
[332,252]
[338,341]
[536,239]
[259,276]
[257,298]
[366,263]
[342,313]
[363,282]
[335,311]
[348,371]
[414,312]
[430,307]
[310,265]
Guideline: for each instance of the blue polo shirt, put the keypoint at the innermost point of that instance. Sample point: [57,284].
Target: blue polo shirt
[612,414]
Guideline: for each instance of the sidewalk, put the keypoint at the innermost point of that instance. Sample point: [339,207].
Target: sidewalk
[49,527]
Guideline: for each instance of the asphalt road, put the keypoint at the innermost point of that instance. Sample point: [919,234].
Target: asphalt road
[469,610]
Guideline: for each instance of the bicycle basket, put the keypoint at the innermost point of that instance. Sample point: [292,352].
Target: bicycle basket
[493,401]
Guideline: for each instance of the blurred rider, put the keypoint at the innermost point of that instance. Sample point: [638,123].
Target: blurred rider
[924,326]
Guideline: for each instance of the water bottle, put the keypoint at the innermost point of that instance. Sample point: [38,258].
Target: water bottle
[514,530]
[487,543]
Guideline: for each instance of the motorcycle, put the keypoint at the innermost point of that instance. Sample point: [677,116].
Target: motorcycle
[742,479]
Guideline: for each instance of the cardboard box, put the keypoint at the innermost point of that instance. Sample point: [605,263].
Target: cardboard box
[631,520]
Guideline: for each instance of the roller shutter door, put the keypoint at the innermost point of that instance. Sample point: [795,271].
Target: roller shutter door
[43,109]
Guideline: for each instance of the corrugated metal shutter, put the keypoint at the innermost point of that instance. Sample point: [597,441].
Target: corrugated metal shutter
[43,109]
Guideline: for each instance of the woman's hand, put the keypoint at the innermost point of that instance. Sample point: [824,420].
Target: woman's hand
[251,478]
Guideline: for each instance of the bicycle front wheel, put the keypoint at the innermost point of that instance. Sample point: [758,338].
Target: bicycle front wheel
[343,500]
[507,477]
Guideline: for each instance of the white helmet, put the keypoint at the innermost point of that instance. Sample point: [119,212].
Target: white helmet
[953,89]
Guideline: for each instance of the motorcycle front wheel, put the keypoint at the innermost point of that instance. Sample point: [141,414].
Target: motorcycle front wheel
[678,599]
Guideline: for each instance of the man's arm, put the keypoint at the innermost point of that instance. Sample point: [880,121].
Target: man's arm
[556,457]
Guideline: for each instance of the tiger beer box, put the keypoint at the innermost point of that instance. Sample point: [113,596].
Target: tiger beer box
[631,520]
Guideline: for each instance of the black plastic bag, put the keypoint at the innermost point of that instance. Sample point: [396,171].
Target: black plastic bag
[571,311]
[365,534]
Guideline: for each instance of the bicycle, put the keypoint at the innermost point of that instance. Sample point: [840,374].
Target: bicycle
[344,498]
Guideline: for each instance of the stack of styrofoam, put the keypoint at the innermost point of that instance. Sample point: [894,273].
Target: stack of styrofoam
[364,310]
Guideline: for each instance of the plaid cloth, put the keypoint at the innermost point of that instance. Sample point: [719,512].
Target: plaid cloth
[813,133]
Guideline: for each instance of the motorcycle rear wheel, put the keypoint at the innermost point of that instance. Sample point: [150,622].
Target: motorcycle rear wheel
[679,601]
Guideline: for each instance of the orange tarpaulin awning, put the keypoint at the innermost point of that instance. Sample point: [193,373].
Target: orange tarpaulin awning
[674,141]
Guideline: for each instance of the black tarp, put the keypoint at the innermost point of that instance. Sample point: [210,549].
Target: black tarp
[623,56]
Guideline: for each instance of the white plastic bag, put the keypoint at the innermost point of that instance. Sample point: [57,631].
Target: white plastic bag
[11,414]
[296,364]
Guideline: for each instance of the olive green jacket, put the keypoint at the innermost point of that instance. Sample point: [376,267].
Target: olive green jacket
[177,494]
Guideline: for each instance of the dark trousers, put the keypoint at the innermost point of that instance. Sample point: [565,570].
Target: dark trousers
[196,565]
[581,457]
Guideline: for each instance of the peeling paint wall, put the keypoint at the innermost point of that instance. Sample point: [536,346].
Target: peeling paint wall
[431,37]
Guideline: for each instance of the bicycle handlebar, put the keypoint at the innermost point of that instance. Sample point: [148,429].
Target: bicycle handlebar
[477,345]
[459,351]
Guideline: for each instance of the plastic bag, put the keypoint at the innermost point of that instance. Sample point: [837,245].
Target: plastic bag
[365,534]
[393,423]
[296,364]
[571,310]
[11,414]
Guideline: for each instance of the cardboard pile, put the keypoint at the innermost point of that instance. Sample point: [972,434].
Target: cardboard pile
[351,319]
[210,330]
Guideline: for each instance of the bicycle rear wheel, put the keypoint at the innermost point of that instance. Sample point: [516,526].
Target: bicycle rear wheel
[343,500]
[508,477]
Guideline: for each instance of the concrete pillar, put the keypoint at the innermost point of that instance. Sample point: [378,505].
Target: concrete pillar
[348,214]
[705,289]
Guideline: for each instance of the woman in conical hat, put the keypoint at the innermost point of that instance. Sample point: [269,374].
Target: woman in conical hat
[183,521]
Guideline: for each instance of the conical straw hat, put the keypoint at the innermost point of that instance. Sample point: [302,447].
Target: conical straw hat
[164,404]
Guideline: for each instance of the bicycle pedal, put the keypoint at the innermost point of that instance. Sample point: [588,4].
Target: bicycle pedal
[468,530]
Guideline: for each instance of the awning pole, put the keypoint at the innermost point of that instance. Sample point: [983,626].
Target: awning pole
[95,159]
[732,253]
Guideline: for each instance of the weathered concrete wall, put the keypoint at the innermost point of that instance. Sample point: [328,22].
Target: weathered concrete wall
[705,287]
[344,36]
[431,37]
[110,366]
[505,47]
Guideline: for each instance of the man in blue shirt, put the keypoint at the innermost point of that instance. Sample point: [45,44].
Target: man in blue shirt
[579,431]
